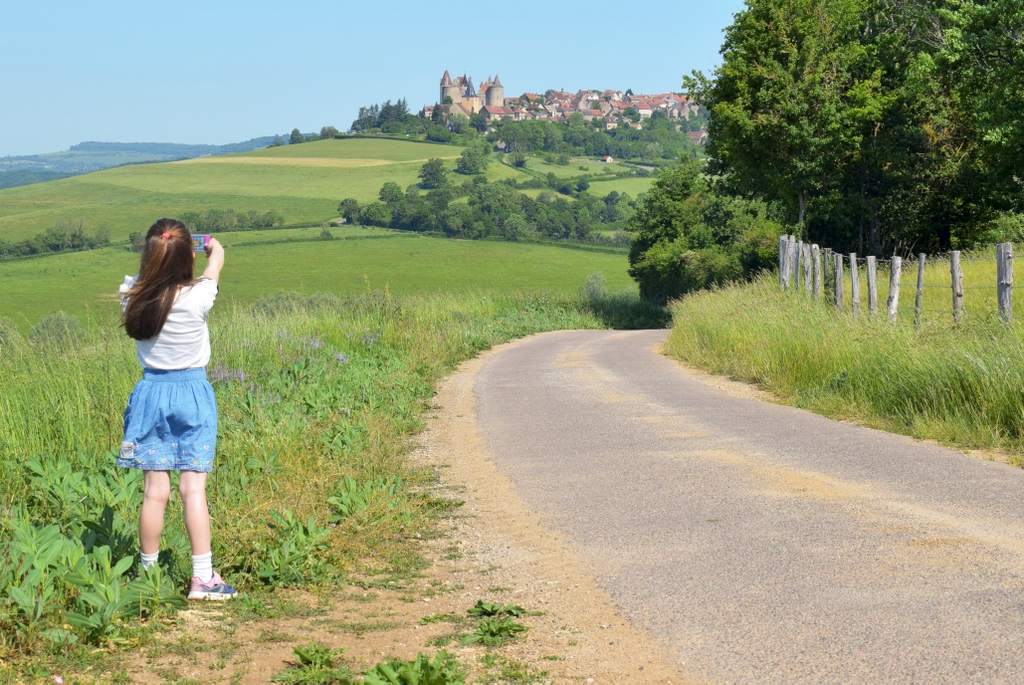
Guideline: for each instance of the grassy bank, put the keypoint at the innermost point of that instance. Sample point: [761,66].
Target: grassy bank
[962,385]
[317,396]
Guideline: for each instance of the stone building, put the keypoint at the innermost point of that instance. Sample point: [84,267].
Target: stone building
[466,99]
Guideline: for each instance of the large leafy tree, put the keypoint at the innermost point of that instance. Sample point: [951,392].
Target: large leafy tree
[982,49]
[787,103]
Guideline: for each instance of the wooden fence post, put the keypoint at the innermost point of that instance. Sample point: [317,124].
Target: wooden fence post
[793,277]
[837,269]
[892,304]
[783,251]
[919,300]
[797,249]
[829,265]
[872,286]
[816,268]
[1004,271]
[957,280]
[805,259]
[854,284]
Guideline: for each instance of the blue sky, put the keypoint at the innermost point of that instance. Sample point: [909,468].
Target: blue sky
[222,72]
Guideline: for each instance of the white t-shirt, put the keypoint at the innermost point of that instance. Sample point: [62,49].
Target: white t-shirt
[184,341]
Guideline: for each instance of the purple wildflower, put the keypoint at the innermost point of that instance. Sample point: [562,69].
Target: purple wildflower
[341,357]
[222,373]
[370,338]
[315,343]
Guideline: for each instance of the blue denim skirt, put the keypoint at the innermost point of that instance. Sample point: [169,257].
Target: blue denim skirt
[170,423]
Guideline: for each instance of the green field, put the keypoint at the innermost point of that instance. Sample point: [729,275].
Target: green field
[573,168]
[302,182]
[85,282]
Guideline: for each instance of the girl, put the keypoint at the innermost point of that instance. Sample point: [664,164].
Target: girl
[171,420]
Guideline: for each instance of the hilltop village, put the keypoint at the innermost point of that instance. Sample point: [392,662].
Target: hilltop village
[613,108]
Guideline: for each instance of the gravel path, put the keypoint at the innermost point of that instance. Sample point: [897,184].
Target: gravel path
[760,542]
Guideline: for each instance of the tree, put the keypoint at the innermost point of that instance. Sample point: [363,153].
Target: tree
[433,174]
[349,209]
[296,137]
[375,214]
[478,121]
[787,104]
[473,160]
[983,51]
[328,132]
[391,194]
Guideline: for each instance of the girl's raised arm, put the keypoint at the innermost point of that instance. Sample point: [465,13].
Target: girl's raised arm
[215,259]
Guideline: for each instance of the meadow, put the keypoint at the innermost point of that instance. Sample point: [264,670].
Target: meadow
[84,284]
[959,384]
[303,182]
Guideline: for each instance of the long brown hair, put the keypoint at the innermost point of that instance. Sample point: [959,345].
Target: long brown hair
[167,264]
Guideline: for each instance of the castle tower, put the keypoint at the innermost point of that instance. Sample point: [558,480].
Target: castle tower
[495,93]
[470,98]
[449,89]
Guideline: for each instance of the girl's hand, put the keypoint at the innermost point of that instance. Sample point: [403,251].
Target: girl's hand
[215,259]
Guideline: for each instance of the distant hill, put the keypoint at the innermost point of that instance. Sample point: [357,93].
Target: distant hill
[95,155]
[175,150]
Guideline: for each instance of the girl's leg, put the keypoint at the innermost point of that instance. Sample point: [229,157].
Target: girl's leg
[156,492]
[192,486]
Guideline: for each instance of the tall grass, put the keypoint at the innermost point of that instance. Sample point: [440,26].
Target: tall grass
[316,396]
[960,384]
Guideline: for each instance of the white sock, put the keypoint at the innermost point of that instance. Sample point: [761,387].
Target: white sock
[202,566]
[148,559]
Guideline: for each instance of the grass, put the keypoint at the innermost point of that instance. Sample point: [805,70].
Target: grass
[979,271]
[958,384]
[540,166]
[304,182]
[317,397]
[85,283]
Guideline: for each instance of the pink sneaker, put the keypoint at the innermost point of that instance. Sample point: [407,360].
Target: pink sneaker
[215,590]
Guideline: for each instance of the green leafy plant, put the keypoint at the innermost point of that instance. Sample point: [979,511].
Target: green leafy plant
[293,553]
[484,609]
[316,665]
[354,498]
[494,632]
[444,669]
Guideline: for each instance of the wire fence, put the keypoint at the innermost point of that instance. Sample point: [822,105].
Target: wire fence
[836,279]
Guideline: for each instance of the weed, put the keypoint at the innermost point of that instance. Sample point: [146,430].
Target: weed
[501,669]
[484,609]
[497,589]
[492,632]
[360,628]
[316,665]
[438,618]
[444,669]
[442,640]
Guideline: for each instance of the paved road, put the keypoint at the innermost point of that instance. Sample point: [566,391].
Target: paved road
[762,543]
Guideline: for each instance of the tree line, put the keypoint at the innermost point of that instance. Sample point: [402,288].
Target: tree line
[878,126]
[492,210]
[68,235]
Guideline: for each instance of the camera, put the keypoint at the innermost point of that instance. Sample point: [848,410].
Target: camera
[199,242]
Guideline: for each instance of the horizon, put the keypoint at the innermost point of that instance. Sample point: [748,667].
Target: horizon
[242,79]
